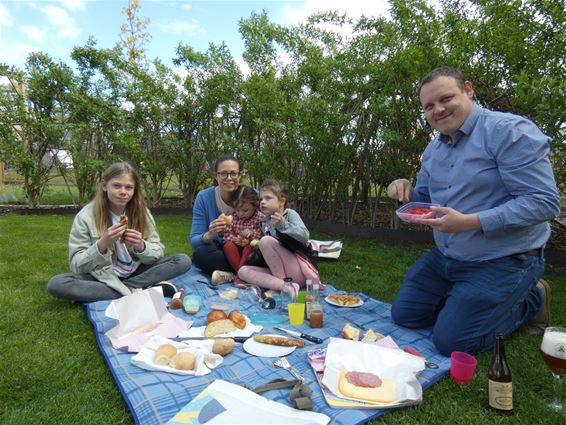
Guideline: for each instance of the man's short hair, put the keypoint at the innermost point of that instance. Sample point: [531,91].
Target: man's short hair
[444,71]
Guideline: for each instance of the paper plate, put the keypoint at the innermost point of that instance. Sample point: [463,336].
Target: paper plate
[329,301]
[260,349]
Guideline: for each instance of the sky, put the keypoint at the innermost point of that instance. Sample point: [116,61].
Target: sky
[56,26]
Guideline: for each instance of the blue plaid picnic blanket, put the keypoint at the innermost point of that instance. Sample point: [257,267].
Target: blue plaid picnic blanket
[155,397]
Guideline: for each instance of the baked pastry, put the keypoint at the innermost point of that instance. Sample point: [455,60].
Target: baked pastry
[215,315]
[123,221]
[238,319]
[279,340]
[223,346]
[219,327]
[367,386]
[344,299]
[350,332]
[183,361]
[164,354]
[371,336]
[227,218]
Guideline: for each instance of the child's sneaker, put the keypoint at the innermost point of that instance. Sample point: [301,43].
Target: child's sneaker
[219,277]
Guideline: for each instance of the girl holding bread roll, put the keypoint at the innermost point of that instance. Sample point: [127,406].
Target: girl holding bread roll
[283,245]
[210,210]
[111,256]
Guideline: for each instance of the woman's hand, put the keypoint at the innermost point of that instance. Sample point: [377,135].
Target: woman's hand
[133,240]
[215,227]
[110,236]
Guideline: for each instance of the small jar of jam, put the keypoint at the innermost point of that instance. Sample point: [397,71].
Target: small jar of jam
[177,300]
[316,316]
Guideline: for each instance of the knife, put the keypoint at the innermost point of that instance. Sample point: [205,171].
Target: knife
[202,338]
[414,352]
[301,335]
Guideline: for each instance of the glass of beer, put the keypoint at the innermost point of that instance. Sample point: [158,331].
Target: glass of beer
[553,352]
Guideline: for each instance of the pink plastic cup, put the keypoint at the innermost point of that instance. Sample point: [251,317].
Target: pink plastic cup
[462,367]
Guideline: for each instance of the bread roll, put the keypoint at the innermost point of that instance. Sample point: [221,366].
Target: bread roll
[238,319]
[227,219]
[215,315]
[223,346]
[164,354]
[350,332]
[123,221]
[219,327]
[385,393]
[183,361]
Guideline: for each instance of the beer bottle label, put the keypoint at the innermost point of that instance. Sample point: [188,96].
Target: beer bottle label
[501,395]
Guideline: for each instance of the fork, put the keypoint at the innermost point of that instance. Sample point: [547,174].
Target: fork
[284,363]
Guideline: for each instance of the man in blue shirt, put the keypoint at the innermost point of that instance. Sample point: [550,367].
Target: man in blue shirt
[490,174]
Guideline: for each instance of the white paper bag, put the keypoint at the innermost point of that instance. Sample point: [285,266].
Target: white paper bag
[223,403]
[140,316]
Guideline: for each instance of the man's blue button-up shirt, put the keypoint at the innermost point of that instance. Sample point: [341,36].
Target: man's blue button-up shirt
[498,167]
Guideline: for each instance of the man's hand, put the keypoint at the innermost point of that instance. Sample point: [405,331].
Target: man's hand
[452,221]
[400,190]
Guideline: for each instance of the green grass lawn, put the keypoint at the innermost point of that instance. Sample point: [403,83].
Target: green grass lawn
[51,371]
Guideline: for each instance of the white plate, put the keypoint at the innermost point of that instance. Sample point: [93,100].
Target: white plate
[329,301]
[266,350]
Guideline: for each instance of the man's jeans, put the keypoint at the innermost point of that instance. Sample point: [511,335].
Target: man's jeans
[468,302]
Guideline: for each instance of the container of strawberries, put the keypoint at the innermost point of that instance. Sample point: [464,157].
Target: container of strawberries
[415,211]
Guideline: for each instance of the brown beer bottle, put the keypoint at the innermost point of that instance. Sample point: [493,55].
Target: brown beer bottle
[499,379]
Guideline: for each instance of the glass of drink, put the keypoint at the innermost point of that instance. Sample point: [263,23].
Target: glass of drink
[553,352]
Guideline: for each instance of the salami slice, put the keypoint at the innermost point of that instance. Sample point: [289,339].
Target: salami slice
[363,379]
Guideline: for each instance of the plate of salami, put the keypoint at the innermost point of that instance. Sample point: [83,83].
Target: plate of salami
[344,300]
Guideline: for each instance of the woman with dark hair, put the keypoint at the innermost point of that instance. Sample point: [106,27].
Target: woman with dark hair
[114,246]
[208,226]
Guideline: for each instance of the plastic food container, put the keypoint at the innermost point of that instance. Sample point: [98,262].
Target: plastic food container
[415,211]
[192,303]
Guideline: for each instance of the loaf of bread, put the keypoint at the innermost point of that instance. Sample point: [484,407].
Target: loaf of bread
[350,332]
[223,346]
[219,327]
[183,361]
[215,315]
[371,336]
[238,319]
[385,393]
[279,340]
[164,354]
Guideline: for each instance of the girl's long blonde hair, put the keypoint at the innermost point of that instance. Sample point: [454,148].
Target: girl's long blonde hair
[135,209]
